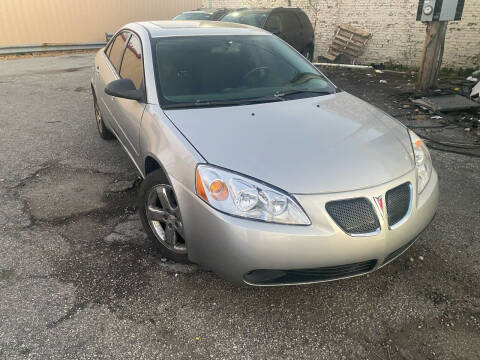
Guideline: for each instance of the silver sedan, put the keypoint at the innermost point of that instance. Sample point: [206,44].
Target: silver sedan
[254,164]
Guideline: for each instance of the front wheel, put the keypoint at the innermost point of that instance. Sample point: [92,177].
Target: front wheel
[160,214]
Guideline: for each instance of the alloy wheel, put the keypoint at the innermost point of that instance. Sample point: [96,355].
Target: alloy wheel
[163,215]
[307,54]
[98,117]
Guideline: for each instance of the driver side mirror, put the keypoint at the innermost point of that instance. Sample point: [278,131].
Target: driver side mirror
[125,89]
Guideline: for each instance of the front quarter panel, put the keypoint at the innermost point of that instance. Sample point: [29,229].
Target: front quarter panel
[161,140]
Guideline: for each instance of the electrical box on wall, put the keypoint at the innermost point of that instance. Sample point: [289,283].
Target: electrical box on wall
[440,10]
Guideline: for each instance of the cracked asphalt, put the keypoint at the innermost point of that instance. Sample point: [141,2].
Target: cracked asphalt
[79,280]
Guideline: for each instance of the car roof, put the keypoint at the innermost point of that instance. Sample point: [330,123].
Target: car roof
[197,12]
[253,10]
[202,10]
[196,28]
[265,10]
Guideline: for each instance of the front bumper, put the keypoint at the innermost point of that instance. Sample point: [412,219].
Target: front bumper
[234,247]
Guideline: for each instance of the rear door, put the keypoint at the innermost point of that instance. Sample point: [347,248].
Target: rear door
[106,71]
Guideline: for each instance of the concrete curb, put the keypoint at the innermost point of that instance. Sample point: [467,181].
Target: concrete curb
[16,50]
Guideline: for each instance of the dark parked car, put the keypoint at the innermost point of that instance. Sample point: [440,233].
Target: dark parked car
[203,14]
[290,24]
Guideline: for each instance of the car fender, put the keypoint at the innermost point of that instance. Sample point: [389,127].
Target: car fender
[162,141]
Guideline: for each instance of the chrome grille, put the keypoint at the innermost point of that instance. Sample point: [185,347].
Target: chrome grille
[398,203]
[354,216]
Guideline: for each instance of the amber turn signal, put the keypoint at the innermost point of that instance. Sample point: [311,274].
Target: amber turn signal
[219,190]
[199,186]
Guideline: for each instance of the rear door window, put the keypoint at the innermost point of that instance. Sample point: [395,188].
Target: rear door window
[274,23]
[116,52]
[132,63]
[248,17]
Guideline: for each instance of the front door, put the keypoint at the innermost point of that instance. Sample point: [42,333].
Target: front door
[128,113]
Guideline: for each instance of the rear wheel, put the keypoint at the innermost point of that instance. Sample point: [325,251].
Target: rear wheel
[161,218]
[308,53]
[102,129]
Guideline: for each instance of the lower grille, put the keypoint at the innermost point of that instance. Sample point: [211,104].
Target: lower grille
[354,216]
[398,252]
[398,203]
[277,277]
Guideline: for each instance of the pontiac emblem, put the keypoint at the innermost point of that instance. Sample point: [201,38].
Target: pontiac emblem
[380,204]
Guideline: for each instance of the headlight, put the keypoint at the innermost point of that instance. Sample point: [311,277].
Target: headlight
[423,161]
[241,196]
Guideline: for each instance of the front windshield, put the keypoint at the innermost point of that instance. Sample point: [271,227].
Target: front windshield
[193,16]
[254,18]
[196,69]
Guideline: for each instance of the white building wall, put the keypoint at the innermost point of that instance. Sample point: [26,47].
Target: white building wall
[396,35]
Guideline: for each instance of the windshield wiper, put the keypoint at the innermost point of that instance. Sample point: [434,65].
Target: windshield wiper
[303,77]
[300,91]
[215,103]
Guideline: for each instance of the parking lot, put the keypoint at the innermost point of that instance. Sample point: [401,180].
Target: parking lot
[78,278]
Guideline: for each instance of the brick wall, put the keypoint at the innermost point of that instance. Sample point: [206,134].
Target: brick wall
[396,36]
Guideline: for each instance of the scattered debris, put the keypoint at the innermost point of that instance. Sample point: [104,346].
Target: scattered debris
[475,91]
[380,66]
[446,103]
[120,186]
[347,41]
[177,269]
[343,65]
[442,131]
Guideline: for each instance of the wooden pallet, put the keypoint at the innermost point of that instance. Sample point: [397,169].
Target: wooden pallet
[348,41]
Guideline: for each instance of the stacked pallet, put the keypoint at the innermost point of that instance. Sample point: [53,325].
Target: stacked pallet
[347,41]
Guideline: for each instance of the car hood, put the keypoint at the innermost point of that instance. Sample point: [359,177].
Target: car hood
[312,145]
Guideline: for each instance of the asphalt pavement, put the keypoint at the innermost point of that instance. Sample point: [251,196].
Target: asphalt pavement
[79,279]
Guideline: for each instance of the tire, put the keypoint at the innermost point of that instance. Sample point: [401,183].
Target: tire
[102,129]
[308,53]
[160,214]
